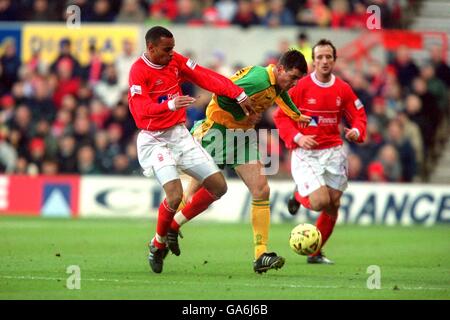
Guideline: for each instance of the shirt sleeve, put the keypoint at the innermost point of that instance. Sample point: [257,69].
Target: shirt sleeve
[355,114]
[208,79]
[139,100]
[287,128]
[287,105]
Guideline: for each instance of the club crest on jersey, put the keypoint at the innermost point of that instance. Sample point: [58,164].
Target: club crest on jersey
[338,101]
[314,121]
[135,89]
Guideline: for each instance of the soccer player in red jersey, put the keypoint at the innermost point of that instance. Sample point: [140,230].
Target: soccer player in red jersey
[164,144]
[318,160]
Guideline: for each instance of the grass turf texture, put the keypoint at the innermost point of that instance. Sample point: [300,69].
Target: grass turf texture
[216,262]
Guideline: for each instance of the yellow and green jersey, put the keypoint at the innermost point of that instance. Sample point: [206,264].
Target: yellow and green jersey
[260,86]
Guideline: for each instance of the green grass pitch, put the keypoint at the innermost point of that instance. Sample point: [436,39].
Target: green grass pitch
[216,262]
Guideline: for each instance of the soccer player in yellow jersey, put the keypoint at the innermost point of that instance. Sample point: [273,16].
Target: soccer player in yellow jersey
[265,86]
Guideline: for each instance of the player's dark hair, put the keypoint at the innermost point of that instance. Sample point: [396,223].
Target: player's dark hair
[293,59]
[156,33]
[325,42]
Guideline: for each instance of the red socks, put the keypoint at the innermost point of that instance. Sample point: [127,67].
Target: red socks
[165,216]
[303,200]
[325,223]
[199,203]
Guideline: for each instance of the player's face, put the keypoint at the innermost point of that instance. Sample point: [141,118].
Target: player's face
[323,60]
[288,79]
[162,52]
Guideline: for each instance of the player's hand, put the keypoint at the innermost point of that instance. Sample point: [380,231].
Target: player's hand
[183,102]
[307,142]
[254,118]
[247,106]
[351,134]
[304,121]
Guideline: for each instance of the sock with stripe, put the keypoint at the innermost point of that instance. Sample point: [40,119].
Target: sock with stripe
[325,223]
[260,216]
[303,200]
[165,216]
[199,203]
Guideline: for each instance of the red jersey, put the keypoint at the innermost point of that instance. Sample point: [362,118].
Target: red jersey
[153,86]
[325,103]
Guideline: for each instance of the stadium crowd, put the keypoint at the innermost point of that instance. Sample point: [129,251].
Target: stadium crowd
[245,13]
[71,118]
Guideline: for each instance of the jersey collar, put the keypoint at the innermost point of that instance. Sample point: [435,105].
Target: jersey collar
[151,64]
[323,84]
[269,69]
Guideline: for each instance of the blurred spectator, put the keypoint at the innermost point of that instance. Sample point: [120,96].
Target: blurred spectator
[123,63]
[92,72]
[102,157]
[375,172]
[163,10]
[8,154]
[131,151]
[108,89]
[21,166]
[396,137]
[244,16]
[100,12]
[43,11]
[436,87]
[130,12]
[357,19]
[10,64]
[441,68]
[260,8]
[121,165]
[121,117]
[340,10]
[389,158]
[226,9]
[86,161]
[36,151]
[405,68]
[43,131]
[50,167]
[355,168]
[278,15]
[9,10]
[65,47]
[67,154]
[41,104]
[67,84]
[187,12]
[315,13]
[303,45]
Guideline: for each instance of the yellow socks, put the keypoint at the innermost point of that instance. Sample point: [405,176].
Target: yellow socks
[260,223]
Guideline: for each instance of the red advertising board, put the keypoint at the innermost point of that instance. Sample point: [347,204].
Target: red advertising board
[56,196]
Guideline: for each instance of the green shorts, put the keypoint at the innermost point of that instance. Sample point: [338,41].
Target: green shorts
[228,147]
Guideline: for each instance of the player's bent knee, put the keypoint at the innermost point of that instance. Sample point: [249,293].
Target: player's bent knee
[174,200]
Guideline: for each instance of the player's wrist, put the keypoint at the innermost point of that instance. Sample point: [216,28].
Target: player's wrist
[171,105]
[242,97]
[357,132]
[297,138]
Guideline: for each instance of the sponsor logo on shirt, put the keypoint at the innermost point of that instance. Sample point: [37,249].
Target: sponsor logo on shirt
[169,96]
[135,89]
[358,104]
[325,120]
[191,64]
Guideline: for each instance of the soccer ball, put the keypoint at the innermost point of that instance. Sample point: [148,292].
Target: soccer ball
[305,239]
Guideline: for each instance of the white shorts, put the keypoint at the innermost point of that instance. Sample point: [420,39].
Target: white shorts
[164,153]
[312,169]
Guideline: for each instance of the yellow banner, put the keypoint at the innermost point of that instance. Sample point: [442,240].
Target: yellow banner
[108,40]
